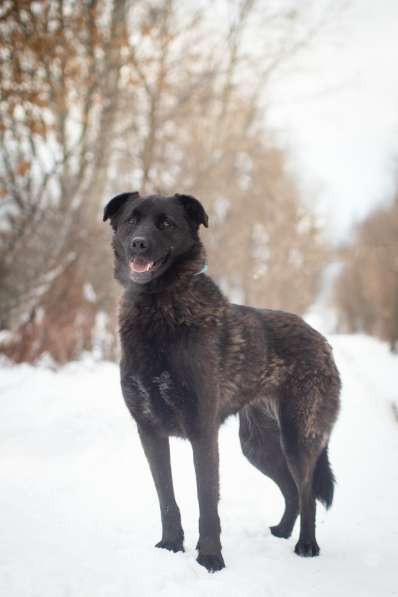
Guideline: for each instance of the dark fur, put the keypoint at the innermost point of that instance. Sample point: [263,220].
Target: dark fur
[190,359]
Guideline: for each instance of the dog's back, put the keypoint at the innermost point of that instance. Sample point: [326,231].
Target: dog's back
[277,358]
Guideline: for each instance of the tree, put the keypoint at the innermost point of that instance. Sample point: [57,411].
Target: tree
[101,97]
[367,289]
[60,70]
[202,131]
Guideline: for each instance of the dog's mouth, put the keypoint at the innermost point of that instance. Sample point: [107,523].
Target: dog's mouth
[139,265]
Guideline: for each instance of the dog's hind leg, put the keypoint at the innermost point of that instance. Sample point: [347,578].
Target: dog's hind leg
[260,440]
[301,461]
[307,460]
[157,451]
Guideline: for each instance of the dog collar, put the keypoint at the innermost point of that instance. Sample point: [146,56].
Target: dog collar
[203,270]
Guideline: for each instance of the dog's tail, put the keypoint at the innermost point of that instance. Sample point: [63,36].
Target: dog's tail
[324,480]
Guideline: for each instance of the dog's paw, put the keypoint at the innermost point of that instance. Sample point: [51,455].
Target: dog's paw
[212,563]
[307,549]
[280,531]
[173,546]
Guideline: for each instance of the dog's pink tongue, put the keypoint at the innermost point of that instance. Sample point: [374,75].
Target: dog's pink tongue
[140,266]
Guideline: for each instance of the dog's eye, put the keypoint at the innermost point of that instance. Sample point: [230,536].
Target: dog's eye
[133,219]
[164,223]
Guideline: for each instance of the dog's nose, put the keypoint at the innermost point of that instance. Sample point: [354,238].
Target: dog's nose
[139,244]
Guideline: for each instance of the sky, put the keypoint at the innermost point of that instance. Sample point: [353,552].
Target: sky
[336,110]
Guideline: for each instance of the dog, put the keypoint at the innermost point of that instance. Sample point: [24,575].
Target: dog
[190,359]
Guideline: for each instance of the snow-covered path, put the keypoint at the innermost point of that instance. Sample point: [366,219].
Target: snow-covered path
[79,515]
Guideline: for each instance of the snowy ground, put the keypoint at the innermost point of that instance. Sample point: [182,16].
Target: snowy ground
[79,517]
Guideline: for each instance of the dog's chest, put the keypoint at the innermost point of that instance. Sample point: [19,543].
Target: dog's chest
[156,385]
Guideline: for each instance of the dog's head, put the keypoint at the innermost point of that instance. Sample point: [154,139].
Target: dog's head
[152,233]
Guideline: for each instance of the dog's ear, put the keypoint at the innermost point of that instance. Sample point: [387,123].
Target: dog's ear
[114,205]
[195,210]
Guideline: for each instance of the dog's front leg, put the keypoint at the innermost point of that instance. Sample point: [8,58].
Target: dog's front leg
[205,455]
[157,451]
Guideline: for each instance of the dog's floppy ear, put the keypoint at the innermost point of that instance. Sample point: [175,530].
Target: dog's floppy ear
[115,204]
[195,210]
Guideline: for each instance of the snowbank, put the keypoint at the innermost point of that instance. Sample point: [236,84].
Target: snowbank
[79,515]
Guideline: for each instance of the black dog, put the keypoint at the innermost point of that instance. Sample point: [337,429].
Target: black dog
[190,359]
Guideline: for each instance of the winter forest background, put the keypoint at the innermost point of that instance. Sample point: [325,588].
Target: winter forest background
[281,116]
[99,97]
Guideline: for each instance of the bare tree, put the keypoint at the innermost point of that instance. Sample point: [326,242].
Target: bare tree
[201,130]
[367,289]
[60,68]
[99,97]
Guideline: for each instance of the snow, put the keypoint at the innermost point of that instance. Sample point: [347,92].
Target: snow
[79,515]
